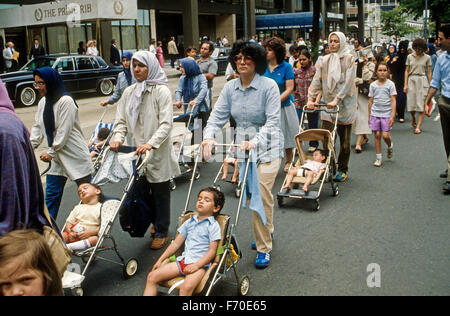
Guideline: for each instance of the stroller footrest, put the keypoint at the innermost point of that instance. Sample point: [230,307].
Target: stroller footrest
[295,193]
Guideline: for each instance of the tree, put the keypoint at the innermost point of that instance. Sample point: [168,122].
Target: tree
[440,10]
[394,23]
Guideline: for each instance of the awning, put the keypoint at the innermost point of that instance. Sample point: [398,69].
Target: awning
[286,21]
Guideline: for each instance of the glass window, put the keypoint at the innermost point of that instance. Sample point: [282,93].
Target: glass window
[144,29]
[76,35]
[84,63]
[65,64]
[57,43]
[129,35]
[39,63]
[102,63]
[94,63]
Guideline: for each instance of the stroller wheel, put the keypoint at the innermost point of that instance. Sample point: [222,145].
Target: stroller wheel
[218,188]
[197,175]
[317,206]
[336,191]
[130,268]
[244,286]
[237,193]
[280,201]
[77,291]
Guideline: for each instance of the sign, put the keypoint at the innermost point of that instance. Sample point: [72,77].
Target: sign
[68,12]
[332,15]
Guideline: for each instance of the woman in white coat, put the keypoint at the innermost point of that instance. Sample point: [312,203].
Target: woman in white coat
[58,120]
[145,115]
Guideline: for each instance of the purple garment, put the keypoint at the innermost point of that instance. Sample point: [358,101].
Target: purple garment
[21,194]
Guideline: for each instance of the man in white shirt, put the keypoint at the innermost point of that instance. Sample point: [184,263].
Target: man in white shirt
[8,54]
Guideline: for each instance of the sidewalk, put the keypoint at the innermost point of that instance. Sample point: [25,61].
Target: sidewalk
[171,72]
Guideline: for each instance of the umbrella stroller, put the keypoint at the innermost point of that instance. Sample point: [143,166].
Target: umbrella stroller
[228,254]
[327,139]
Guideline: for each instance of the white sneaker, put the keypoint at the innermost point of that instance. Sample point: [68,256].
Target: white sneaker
[378,163]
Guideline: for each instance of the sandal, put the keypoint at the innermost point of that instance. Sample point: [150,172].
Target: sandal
[417,132]
[287,166]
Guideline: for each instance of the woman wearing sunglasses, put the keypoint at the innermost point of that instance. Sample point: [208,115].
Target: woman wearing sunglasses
[254,103]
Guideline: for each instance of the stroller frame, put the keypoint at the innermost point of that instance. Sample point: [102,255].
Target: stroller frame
[327,175]
[237,190]
[229,244]
[186,169]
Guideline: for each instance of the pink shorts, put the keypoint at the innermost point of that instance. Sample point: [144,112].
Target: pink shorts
[380,124]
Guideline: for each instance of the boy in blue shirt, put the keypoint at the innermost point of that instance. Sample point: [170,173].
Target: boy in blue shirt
[201,235]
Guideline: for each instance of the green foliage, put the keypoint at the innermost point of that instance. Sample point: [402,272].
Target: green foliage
[393,23]
[438,8]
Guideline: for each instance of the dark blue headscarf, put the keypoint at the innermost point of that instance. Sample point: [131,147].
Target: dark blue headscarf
[192,70]
[55,90]
[127,72]
[391,56]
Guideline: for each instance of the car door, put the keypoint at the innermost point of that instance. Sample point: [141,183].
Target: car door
[87,77]
[66,69]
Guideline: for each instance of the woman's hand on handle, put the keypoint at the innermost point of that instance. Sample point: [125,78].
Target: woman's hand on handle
[115,146]
[246,146]
[207,146]
[141,150]
[311,105]
[46,157]
[332,104]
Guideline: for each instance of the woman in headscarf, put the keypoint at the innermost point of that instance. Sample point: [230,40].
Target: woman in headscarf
[22,197]
[145,115]
[397,67]
[57,119]
[193,88]
[124,80]
[335,79]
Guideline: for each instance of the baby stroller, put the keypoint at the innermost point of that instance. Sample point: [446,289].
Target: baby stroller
[110,209]
[99,158]
[237,184]
[228,254]
[185,154]
[327,139]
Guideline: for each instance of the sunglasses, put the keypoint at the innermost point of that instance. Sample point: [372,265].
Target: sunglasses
[246,59]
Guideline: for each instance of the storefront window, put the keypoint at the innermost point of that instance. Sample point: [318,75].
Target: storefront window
[76,35]
[126,39]
[144,29]
[57,39]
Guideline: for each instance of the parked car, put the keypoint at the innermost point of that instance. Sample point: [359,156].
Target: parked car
[220,55]
[80,73]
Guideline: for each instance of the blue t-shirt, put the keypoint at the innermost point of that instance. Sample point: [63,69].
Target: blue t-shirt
[281,74]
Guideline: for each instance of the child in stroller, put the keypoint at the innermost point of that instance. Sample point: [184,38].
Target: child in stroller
[201,236]
[95,145]
[309,170]
[83,224]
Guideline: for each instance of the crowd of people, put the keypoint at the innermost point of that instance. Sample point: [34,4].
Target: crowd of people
[263,100]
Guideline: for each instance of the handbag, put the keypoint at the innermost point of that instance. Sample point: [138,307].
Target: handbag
[135,214]
[61,255]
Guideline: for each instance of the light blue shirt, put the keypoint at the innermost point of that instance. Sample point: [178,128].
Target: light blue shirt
[441,75]
[121,85]
[198,236]
[200,91]
[257,112]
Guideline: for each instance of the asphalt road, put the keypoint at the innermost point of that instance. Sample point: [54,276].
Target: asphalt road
[396,217]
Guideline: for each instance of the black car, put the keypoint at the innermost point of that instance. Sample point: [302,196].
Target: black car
[220,55]
[80,73]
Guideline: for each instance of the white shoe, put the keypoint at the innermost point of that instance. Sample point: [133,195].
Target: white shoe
[378,163]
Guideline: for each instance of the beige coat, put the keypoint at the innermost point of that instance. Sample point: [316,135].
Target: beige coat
[153,126]
[69,151]
[172,48]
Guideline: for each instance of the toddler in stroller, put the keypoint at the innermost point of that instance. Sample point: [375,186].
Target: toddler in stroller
[96,145]
[201,236]
[83,224]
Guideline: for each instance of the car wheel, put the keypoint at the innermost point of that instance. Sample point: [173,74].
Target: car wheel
[106,87]
[27,96]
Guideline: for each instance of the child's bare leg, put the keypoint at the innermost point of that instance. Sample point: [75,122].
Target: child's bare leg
[378,142]
[225,170]
[93,240]
[191,282]
[292,173]
[309,180]
[387,139]
[235,174]
[164,273]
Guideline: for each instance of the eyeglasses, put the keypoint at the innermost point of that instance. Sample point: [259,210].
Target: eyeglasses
[246,59]
[38,84]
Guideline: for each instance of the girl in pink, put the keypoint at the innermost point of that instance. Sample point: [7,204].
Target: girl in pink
[160,54]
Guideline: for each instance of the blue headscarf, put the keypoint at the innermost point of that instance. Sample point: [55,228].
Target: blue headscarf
[192,70]
[391,56]
[55,90]
[127,72]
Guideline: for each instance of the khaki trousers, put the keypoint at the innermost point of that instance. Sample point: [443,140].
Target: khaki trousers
[267,173]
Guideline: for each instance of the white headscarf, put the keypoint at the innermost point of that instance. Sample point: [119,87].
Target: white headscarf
[334,61]
[156,76]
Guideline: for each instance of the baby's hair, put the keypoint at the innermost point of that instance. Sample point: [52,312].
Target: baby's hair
[101,196]
[322,152]
[103,133]
[34,253]
[189,49]
[219,197]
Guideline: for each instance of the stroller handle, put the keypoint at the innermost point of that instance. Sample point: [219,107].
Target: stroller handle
[47,170]
[322,107]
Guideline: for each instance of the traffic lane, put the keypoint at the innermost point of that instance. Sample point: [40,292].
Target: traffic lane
[395,216]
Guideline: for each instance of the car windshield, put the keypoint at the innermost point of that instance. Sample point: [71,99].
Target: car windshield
[39,63]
